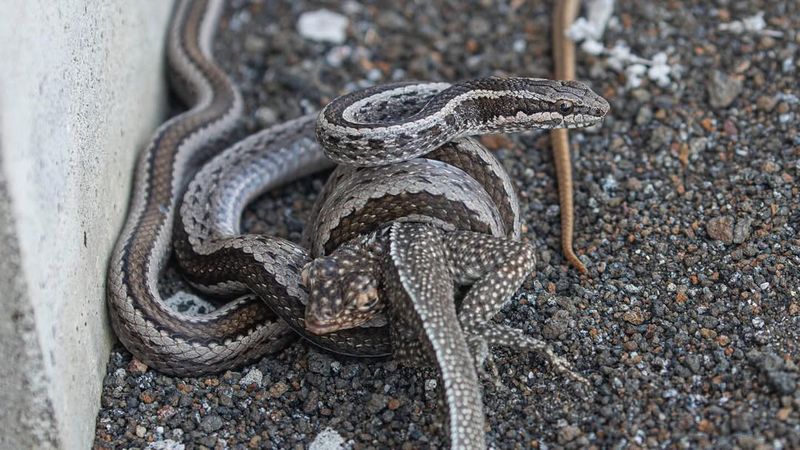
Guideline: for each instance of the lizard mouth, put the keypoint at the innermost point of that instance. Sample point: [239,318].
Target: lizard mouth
[320,327]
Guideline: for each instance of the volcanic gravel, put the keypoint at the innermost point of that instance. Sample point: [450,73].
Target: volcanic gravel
[687,216]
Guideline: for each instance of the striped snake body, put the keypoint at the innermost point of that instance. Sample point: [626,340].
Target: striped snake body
[145,325]
[377,136]
[356,129]
[185,345]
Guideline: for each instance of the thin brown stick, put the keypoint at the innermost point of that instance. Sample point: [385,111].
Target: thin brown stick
[564,60]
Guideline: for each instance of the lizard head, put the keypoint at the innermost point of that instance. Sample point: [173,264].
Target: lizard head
[343,292]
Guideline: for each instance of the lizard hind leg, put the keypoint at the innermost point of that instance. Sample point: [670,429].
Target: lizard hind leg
[496,267]
[495,334]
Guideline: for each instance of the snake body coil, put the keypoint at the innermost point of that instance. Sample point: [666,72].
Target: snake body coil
[367,128]
[173,342]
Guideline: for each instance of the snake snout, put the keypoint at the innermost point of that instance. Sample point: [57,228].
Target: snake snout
[595,104]
[601,107]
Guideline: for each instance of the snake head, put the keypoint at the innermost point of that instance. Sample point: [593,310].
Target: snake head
[577,104]
[539,103]
[343,293]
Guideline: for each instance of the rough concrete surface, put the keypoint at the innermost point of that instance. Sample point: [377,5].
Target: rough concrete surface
[27,409]
[80,91]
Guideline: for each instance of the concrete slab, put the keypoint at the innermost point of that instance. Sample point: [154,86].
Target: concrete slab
[81,90]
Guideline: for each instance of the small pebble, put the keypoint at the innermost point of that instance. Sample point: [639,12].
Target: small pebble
[634,317]
[137,367]
[742,230]
[254,44]
[166,444]
[661,137]
[278,389]
[783,382]
[644,116]
[211,423]
[766,103]
[323,25]
[328,439]
[266,116]
[721,229]
[723,89]
[254,376]
[568,434]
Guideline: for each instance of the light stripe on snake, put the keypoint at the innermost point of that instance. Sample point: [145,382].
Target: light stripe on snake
[243,330]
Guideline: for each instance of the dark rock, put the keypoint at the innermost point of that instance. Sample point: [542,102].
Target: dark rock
[783,382]
[211,423]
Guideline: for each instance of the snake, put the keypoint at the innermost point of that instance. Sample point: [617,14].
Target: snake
[377,215]
[372,127]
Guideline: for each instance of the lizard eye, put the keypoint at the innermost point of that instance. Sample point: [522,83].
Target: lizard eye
[368,305]
[367,300]
[565,107]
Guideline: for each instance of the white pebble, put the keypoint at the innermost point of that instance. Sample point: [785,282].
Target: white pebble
[634,75]
[660,70]
[787,65]
[609,183]
[753,23]
[374,75]
[328,439]
[254,376]
[166,444]
[119,376]
[322,25]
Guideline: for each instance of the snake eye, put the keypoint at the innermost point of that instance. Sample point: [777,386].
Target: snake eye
[565,107]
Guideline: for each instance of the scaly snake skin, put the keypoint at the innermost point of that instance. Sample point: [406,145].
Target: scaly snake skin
[375,134]
[242,330]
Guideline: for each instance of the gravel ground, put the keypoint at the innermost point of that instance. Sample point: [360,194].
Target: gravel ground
[688,210]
